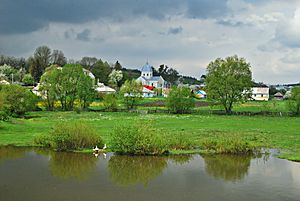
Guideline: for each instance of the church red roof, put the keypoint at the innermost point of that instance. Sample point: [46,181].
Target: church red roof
[149,87]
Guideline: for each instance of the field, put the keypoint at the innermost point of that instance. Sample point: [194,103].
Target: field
[270,132]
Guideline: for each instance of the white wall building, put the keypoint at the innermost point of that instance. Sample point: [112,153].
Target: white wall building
[148,79]
[260,93]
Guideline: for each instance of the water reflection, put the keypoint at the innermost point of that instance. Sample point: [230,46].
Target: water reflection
[227,167]
[72,165]
[129,170]
[11,152]
[181,159]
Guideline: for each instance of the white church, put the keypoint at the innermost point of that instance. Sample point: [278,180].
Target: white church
[149,81]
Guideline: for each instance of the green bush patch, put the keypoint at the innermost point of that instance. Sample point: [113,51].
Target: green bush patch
[70,136]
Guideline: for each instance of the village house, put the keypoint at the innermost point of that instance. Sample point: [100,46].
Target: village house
[260,93]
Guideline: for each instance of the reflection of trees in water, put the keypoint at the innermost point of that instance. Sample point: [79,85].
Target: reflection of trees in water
[11,152]
[72,165]
[227,167]
[180,159]
[129,170]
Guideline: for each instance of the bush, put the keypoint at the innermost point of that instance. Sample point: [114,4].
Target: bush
[70,136]
[180,100]
[16,100]
[137,139]
[228,144]
[180,142]
[110,102]
[294,103]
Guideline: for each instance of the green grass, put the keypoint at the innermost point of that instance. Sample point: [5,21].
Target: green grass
[272,132]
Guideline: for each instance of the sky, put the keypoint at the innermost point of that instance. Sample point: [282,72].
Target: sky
[183,34]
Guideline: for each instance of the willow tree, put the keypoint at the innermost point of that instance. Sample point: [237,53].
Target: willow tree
[228,81]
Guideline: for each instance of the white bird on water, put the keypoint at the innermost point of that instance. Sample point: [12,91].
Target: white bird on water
[96,149]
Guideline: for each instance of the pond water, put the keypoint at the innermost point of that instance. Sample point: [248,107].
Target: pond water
[36,175]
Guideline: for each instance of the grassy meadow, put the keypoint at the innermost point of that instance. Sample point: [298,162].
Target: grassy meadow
[269,132]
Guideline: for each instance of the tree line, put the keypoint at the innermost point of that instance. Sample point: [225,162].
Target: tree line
[30,70]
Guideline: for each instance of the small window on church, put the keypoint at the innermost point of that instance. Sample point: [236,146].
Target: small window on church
[147,74]
[152,84]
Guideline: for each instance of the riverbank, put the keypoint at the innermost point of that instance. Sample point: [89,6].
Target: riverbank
[270,132]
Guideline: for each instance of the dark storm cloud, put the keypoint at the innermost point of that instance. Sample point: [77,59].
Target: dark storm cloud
[22,16]
[84,35]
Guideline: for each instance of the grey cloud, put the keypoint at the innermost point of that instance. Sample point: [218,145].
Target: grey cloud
[175,30]
[291,59]
[84,35]
[207,8]
[230,23]
[21,16]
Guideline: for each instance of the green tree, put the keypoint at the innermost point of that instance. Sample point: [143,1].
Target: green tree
[39,62]
[28,79]
[86,91]
[115,78]
[66,85]
[294,102]
[228,81]
[180,100]
[17,100]
[118,66]
[50,86]
[101,70]
[169,74]
[131,92]
[8,73]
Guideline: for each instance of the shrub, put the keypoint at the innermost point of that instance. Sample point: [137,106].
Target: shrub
[180,142]
[70,136]
[110,102]
[180,100]
[294,103]
[228,144]
[138,139]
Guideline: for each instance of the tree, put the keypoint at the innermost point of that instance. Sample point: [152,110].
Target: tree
[101,70]
[39,62]
[88,62]
[228,81]
[17,100]
[115,78]
[8,73]
[169,74]
[66,85]
[58,58]
[131,92]
[86,91]
[28,79]
[118,66]
[180,100]
[50,86]
[294,102]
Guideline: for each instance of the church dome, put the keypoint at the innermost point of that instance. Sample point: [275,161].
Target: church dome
[146,68]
